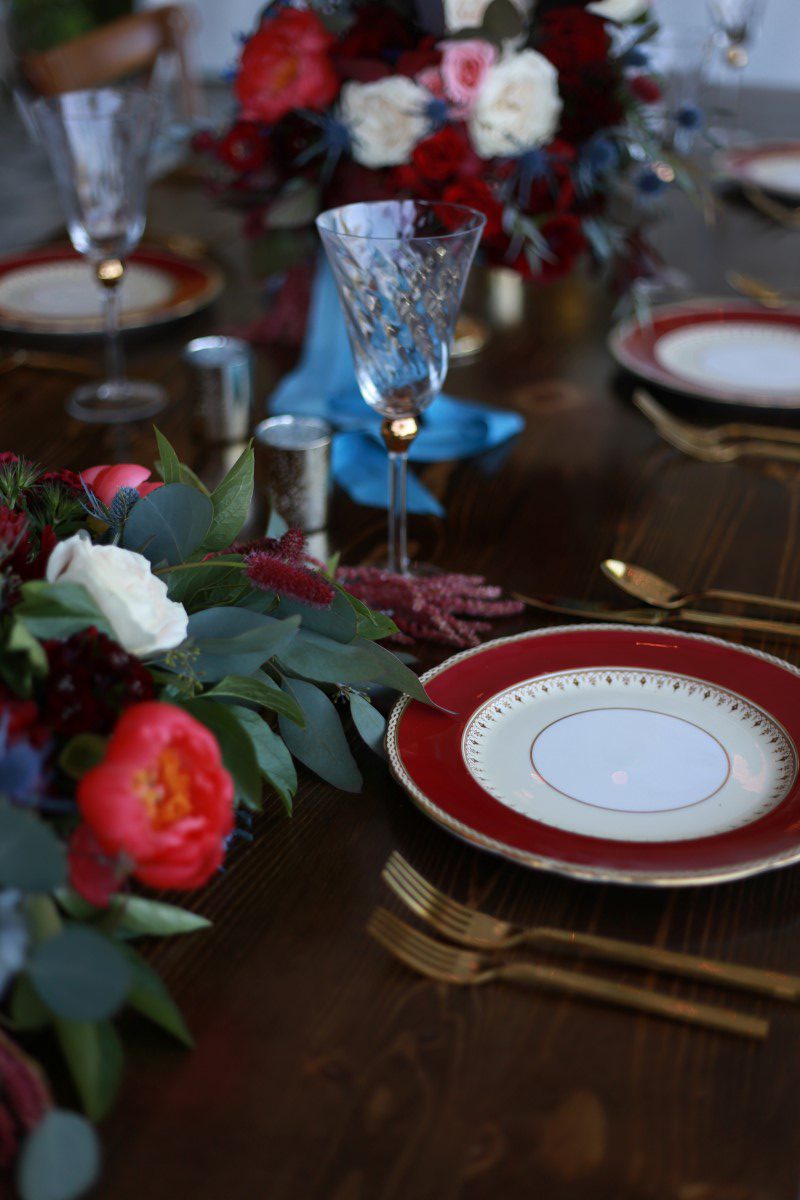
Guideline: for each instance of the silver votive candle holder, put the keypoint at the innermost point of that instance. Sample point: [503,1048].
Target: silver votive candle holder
[294,464]
[221,371]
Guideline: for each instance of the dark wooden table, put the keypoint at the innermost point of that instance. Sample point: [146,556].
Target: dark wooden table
[325,1071]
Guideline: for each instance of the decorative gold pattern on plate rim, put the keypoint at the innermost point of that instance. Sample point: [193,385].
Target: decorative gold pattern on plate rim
[598,874]
[760,722]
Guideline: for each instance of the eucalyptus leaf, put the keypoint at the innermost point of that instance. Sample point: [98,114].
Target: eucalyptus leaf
[337,622]
[81,753]
[28,1010]
[322,745]
[31,856]
[141,917]
[94,1056]
[60,1158]
[148,994]
[169,463]
[274,760]
[361,661]
[57,610]
[169,525]
[201,585]
[231,503]
[21,641]
[370,724]
[237,749]
[235,641]
[79,974]
[258,689]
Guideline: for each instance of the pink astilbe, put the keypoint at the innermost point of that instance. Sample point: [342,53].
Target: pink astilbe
[425,609]
[281,565]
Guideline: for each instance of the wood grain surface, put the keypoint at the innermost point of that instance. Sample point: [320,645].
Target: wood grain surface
[323,1070]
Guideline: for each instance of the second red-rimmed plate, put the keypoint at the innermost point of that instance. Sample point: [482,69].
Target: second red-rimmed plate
[772,166]
[724,350]
[609,753]
[51,291]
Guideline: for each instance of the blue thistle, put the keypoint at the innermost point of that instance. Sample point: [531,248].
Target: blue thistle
[21,767]
[689,116]
[648,183]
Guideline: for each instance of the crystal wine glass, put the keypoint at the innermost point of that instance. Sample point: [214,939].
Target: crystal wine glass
[400,268]
[735,22]
[98,143]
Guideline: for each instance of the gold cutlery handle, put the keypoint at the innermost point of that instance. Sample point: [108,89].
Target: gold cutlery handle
[621,995]
[747,979]
[728,621]
[751,598]
[763,433]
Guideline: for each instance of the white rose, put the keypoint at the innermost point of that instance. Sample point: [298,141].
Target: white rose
[468,14]
[619,10]
[518,106]
[131,598]
[385,119]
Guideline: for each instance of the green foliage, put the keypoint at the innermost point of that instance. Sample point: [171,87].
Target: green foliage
[369,624]
[149,996]
[369,723]
[133,916]
[231,503]
[260,690]
[217,583]
[322,744]
[360,661]
[169,525]
[235,641]
[60,1159]
[338,622]
[31,856]
[169,465]
[81,753]
[79,974]
[57,610]
[237,749]
[274,760]
[93,1053]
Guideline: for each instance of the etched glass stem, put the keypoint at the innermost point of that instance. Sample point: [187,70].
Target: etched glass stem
[115,357]
[398,523]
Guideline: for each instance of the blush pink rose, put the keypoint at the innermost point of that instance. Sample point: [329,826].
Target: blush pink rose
[105,481]
[464,66]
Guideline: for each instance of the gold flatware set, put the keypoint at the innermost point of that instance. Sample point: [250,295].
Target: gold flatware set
[476,946]
[720,443]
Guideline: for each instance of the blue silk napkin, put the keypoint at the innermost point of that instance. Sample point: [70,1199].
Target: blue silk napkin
[324,385]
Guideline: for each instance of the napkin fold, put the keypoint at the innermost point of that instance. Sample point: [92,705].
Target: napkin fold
[324,385]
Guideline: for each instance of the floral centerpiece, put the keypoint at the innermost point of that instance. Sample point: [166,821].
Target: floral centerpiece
[533,115]
[156,674]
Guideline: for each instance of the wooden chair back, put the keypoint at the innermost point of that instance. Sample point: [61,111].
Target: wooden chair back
[127,47]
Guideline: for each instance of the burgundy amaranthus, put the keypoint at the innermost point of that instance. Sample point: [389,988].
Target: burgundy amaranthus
[425,609]
[281,565]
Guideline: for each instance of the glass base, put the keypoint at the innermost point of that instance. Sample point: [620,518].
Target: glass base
[113,403]
[415,570]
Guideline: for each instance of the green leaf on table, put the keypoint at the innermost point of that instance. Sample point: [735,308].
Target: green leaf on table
[337,622]
[231,503]
[322,745]
[80,974]
[57,610]
[370,724]
[93,1052]
[361,661]
[274,760]
[258,689]
[237,749]
[370,624]
[213,584]
[81,753]
[148,994]
[28,1011]
[169,465]
[141,917]
[169,525]
[236,641]
[21,641]
[31,856]
[60,1158]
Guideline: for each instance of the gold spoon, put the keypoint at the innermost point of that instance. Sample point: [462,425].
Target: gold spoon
[757,289]
[654,590]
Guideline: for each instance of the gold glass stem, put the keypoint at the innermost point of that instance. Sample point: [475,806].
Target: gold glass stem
[109,275]
[398,434]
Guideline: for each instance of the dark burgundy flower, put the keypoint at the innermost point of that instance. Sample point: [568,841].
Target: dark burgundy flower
[292,137]
[281,565]
[644,88]
[244,147]
[590,84]
[439,157]
[24,1100]
[378,31]
[424,55]
[93,874]
[69,479]
[476,193]
[91,681]
[21,552]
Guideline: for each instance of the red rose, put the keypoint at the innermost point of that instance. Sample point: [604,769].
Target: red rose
[285,65]
[577,44]
[378,31]
[105,481]
[426,54]
[645,89]
[244,147]
[161,797]
[476,193]
[439,156]
[23,557]
[571,37]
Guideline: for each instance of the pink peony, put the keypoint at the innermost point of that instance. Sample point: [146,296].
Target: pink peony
[105,481]
[464,66]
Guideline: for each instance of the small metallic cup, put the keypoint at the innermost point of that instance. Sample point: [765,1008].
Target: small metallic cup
[294,461]
[222,372]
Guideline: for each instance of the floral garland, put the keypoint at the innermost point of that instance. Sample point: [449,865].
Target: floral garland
[536,116]
[155,673]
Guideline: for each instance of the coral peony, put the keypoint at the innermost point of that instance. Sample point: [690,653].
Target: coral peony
[105,481]
[286,65]
[161,799]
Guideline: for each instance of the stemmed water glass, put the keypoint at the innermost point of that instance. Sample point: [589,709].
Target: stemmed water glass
[98,143]
[400,268]
[735,23]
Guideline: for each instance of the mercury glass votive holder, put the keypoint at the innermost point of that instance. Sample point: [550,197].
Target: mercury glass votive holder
[293,456]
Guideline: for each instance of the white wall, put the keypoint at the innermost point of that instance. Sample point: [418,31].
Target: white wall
[775,57]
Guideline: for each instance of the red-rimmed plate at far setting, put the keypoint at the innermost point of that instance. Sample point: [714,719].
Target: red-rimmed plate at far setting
[51,291]
[611,754]
[725,350]
[771,166]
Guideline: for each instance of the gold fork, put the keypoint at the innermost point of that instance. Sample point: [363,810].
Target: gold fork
[480,931]
[448,964]
[784,214]
[678,435]
[713,434]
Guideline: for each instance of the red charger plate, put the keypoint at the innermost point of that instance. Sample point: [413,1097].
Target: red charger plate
[425,752]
